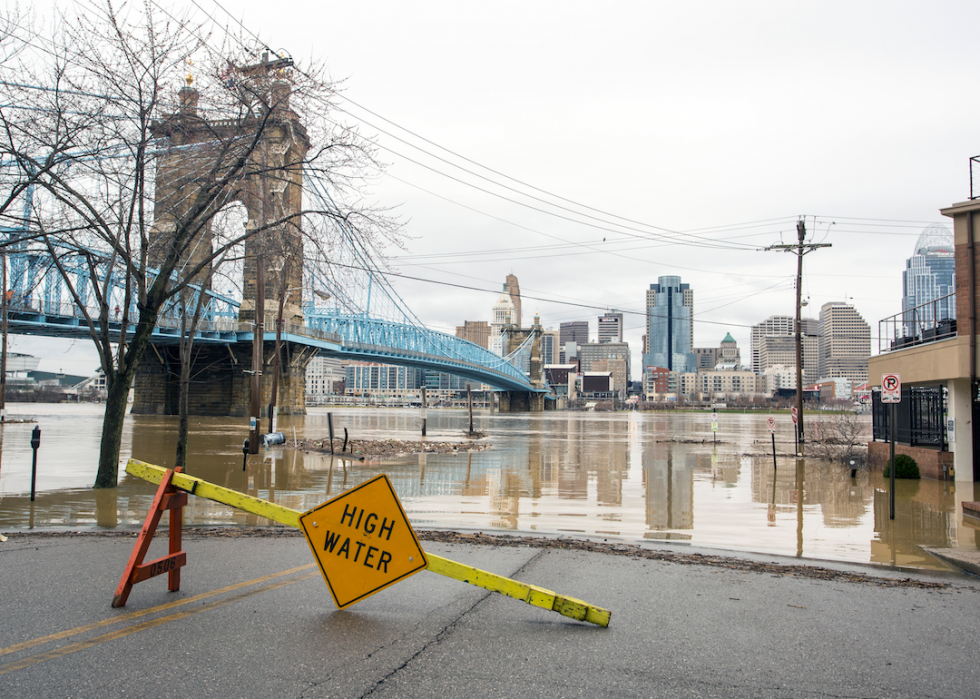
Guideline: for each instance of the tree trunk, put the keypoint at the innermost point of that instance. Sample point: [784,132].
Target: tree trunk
[112,428]
[117,397]
[185,387]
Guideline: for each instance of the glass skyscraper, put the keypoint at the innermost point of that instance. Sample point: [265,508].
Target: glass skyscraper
[670,306]
[929,276]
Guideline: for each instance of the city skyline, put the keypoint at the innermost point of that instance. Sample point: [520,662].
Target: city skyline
[731,130]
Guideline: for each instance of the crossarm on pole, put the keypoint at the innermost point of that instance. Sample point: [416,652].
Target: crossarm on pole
[532,594]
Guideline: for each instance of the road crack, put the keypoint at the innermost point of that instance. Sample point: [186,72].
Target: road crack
[446,630]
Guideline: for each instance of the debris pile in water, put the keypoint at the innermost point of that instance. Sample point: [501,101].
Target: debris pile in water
[374,449]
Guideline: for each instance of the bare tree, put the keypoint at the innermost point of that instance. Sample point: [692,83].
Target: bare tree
[838,437]
[128,173]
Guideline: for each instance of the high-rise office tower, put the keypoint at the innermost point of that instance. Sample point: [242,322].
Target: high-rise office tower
[928,278]
[670,332]
[687,299]
[611,327]
[776,326]
[575,331]
[514,289]
[550,346]
[607,356]
[845,343]
[707,357]
[773,344]
[476,331]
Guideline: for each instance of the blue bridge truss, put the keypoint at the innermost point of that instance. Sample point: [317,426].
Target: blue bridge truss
[36,306]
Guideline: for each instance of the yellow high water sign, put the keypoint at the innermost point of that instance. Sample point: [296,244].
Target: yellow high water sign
[363,541]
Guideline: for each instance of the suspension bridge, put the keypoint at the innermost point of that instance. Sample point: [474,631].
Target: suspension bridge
[339,304]
[38,307]
[363,319]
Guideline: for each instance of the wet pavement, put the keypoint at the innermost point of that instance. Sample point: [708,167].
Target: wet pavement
[253,618]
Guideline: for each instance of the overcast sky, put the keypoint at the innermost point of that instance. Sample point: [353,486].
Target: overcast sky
[685,120]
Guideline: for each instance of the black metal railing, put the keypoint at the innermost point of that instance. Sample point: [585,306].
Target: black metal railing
[920,419]
[927,322]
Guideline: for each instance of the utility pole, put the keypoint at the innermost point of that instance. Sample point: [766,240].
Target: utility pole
[801,248]
[277,355]
[255,428]
[261,71]
[3,350]
[258,336]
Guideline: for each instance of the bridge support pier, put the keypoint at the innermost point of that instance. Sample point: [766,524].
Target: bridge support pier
[219,384]
[521,402]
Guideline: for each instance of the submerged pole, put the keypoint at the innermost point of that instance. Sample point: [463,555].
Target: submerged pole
[891,468]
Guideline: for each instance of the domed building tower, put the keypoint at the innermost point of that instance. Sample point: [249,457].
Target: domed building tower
[728,353]
[504,313]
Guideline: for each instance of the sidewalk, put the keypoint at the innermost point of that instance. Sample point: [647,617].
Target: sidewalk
[253,618]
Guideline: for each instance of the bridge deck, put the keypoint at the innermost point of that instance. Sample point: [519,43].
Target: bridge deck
[230,331]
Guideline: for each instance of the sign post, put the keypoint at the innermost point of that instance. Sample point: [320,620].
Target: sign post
[795,414]
[35,443]
[891,392]
[772,431]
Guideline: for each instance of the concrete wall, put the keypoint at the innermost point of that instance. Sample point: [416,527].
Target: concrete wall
[930,363]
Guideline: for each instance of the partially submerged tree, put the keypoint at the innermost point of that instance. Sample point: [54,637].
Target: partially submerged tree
[839,437]
[127,173]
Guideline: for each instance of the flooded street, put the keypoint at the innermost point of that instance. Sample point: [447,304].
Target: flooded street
[616,476]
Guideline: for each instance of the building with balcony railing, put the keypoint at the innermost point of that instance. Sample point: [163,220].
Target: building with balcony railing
[933,347]
[929,276]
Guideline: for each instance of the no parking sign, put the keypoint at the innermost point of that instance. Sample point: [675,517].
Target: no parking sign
[891,388]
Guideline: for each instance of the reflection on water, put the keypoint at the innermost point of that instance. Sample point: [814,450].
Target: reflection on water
[625,475]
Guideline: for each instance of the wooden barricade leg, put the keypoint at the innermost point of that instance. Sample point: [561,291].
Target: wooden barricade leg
[167,498]
[176,527]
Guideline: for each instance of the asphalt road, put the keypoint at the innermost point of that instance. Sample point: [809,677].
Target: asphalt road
[677,630]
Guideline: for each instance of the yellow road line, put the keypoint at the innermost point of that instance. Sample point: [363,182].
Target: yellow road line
[532,594]
[152,610]
[82,645]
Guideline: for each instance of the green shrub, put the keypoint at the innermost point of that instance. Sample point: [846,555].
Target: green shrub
[905,467]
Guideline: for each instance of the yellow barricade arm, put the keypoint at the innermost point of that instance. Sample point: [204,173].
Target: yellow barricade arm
[532,594]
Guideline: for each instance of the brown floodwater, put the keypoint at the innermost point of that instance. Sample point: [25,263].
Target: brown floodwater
[616,476]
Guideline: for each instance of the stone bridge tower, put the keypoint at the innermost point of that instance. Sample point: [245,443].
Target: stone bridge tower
[274,144]
[525,401]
